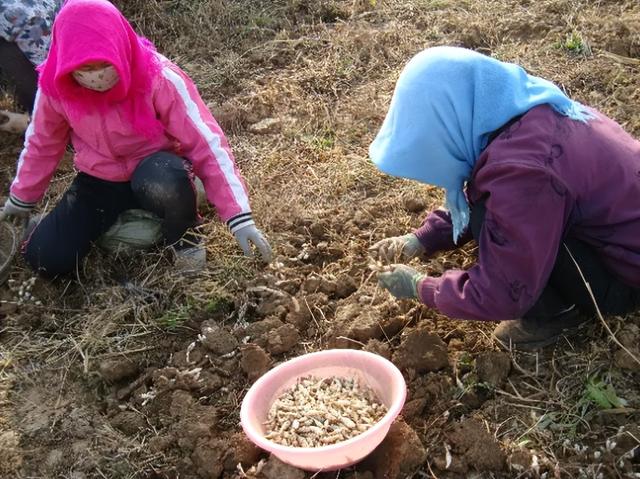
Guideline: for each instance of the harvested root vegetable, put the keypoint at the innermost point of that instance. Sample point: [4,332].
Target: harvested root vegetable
[319,412]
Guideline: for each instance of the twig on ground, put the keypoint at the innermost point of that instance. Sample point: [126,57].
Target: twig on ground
[595,303]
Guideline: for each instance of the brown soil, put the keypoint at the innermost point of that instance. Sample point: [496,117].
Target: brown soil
[255,361]
[399,455]
[128,370]
[114,370]
[276,469]
[422,351]
[471,448]
[493,367]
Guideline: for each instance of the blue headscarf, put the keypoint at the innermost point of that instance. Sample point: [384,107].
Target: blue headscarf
[446,104]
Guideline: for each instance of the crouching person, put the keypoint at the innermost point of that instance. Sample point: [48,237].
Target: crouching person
[548,188]
[140,132]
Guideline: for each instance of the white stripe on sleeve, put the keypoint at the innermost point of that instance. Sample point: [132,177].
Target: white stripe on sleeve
[212,139]
[27,137]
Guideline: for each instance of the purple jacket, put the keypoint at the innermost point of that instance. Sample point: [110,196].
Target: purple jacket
[546,177]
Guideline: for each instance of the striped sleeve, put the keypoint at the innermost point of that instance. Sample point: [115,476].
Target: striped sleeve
[187,119]
[240,221]
[18,203]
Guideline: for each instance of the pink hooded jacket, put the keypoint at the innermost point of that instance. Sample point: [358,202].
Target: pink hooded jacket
[154,107]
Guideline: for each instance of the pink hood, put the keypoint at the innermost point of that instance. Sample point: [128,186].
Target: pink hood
[94,30]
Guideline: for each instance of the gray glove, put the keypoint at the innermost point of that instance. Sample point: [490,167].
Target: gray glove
[395,248]
[402,281]
[250,234]
[13,122]
[16,209]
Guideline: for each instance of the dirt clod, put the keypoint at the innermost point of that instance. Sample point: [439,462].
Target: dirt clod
[299,318]
[207,458]
[258,330]
[378,347]
[414,408]
[474,397]
[283,339]
[493,367]
[117,369]
[254,361]
[276,469]
[217,339]
[196,424]
[629,336]
[129,422]
[181,402]
[623,360]
[242,451]
[345,286]
[519,461]
[312,284]
[400,453]
[209,382]
[421,350]
[357,322]
[475,447]
[160,443]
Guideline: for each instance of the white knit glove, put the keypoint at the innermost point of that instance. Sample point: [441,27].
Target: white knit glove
[247,234]
[13,122]
[398,248]
[14,209]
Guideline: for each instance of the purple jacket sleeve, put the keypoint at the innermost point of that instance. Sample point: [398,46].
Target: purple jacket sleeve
[436,233]
[526,214]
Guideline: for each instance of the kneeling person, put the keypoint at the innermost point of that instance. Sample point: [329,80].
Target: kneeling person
[140,132]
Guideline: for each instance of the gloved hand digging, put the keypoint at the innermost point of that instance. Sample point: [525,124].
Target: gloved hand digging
[401,281]
[250,234]
[395,248]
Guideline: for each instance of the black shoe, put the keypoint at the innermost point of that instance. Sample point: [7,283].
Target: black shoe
[535,333]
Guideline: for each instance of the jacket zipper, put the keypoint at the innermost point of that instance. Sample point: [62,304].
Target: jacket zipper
[107,142]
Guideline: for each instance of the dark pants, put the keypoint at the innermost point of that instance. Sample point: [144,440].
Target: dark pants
[160,184]
[20,72]
[566,286]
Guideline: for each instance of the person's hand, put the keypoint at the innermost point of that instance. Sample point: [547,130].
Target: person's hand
[401,281]
[12,210]
[13,122]
[398,247]
[250,234]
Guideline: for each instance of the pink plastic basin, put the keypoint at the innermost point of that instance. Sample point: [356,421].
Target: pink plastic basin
[370,369]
